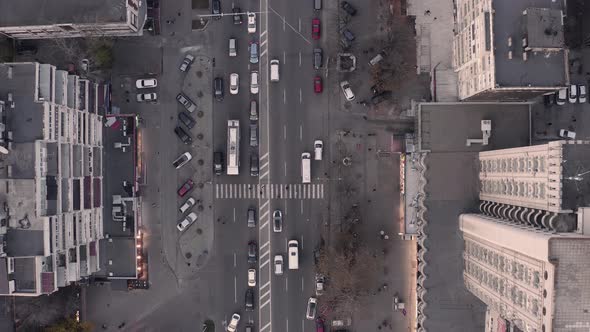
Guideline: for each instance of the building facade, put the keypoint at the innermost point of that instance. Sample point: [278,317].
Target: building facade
[509,50]
[26,19]
[50,178]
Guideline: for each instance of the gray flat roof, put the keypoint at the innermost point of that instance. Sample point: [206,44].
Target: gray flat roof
[575,182]
[24,242]
[544,69]
[45,12]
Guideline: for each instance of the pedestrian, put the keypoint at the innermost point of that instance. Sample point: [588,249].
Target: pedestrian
[427,12]
[168,22]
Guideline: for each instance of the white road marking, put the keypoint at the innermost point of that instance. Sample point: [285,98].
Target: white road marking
[285,132]
[301,132]
[263,206]
[263,53]
[264,286]
[302,325]
[284,96]
[301,242]
[299,58]
[300,24]
[263,34]
[235,290]
[301,206]
[264,245]
[264,165]
[264,174]
[302,284]
[265,327]
[266,253]
[287,330]
[264,156]
[264,214]
[265,263]
[287,284]
[265,304]
[284,24]
[235,259]
[285,168]
[290,26]
[265,294]
[234,214]
[300,96]
[284,57]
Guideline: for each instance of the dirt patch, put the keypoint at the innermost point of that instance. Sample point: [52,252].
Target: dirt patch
[33,314]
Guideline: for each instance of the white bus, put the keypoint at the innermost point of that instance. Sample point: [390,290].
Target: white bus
[233,147]
[306,167]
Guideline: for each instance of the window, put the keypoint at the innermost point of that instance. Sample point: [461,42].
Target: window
[134,20]
[66,27]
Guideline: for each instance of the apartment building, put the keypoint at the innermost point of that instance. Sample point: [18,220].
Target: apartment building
[509,50]
[51,179]
[31,19]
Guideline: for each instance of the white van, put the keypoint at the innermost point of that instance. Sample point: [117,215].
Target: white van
[274,70]
[318,147]
[306,167]
[254,82]
[233,47]
[293,247]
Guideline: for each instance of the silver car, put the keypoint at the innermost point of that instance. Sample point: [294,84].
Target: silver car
[187,103]
[277,221]
[253,52]
[251,217]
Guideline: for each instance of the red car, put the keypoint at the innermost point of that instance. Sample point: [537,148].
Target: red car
[319,325]
[317,84]
[186,188]
[315,28]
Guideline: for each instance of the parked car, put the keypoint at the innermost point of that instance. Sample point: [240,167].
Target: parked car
[274,70]
[253,111]
[345,43]
[573,94]
[315,28]
[233,323]
[218,163]
[567,134]
[186,119]
[233,47]
[252,255]
[348,94]
[146,83]
[253,134]
[151,97]
[311,308]
[251,277]
[183,135]
[319,325]
[318,58]
[237,15]
[277,221]
[318,149]
[186,187]
[182,160]
[582,93]
[348,8]
[234,83]
[187,62]
[254,82]
[380,97]
[249,301]
[561,97]
[189,220]
[319,284]
[253,52]
[218,88]
[549,99]
[189,203]
[254,168]
[216,9]
[348,35]
[187,103]
[278,262]
[251,217]
[318,87]
[251,23]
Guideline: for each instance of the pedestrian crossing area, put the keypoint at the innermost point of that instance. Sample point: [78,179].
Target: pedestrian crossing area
[269,191]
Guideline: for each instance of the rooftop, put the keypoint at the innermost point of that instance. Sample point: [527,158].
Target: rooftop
[45,12]
[541,69]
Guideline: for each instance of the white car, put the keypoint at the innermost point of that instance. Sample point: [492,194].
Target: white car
[348,94]
[318,147]
[251,23]
[567,134]
[312,304]
[254,82]
[190,202]
[233,323]
[274,70]
[278,260]
[234,82]
[251,277]
[191,218]
[186,62]
[147,97]
[582,93]
[573,94]
[561,97]
[146,83]
[182,160]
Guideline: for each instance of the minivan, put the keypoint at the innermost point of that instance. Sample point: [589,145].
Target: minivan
[274,70]
[233,47]
[293,248]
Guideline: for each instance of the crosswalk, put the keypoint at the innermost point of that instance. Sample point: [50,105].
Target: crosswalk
[270,191]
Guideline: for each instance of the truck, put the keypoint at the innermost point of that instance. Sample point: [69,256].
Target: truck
[306,167]
[233,147]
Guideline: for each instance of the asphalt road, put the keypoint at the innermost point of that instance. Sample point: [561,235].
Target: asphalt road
[291,118]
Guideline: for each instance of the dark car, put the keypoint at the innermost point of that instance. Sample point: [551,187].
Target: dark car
[218,163]
[186,188]
[549,99]
[218,88]
[249,299]
[186,119]
[348,8]
[216,9]
[348,35]
[237,15]
[254,164]
[318,58]
[252,252]
[380,97]
[183,135]
[25,48]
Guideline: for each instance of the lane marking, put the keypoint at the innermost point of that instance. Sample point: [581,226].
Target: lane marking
[265,327]
[265,294]
[235,259]
[264,156]
[285,132]
[264,224]
[264,286]
[234,214]
[284,96]
[264,174]
[284,24]
[286,284]
[265,304]
[264,214]
[301,132]
[285,168]
[266,262]
[284,57]
[300,24]
[266,253]
[264,165]
[235,290]
[290,26]
[302,284]
[300,96]
[264,245]
[301,242]
[263,206]
[301,206]
[263,53]
[263,33]
[299,58]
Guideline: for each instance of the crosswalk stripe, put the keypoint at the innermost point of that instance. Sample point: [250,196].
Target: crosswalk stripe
[269,191]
